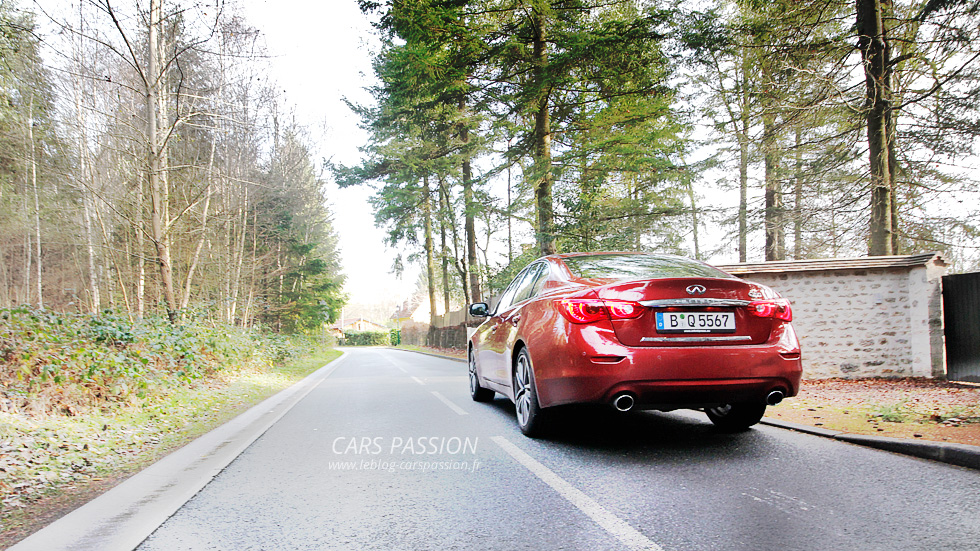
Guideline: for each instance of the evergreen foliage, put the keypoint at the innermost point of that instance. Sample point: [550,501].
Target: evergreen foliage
[595,109]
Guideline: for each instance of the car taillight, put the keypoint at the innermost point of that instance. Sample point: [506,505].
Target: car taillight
[777,308]
[588,310]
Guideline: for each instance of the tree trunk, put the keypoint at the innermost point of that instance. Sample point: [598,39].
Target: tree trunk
[743,164]
[469,213]
[239,259]
[185,299]
[37,202]
[893,177]
[510,237]
[875,54]
[88,216]
[458,261]
[688,180]
[140,252]
[85,184]
[470,230]
[88,211]
[443,243]
[543,173]
[247,314]
[115,268]
[775,236]
[430,263]
[798,198]
[157,120]
[28,261]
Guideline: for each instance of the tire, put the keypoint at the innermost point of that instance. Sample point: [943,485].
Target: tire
[736,417]
[530,417]
[477,392]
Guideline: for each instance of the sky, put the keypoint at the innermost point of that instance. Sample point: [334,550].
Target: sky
[322,54]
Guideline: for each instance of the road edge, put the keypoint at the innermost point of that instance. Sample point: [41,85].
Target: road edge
[123,517]
[429,353]
[961,455]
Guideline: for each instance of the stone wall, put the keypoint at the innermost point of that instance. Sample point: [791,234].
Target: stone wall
[863,317]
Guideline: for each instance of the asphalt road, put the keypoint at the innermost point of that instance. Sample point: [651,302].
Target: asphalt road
[388,452]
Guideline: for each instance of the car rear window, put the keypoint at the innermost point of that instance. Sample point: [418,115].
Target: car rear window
[639,266]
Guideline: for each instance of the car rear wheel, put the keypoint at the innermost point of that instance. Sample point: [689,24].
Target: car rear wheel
[477,392]
[736,417]
[530,418]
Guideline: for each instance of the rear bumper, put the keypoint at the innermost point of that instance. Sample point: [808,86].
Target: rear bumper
[601,368]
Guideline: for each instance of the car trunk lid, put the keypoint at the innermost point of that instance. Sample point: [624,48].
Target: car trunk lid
[690,312]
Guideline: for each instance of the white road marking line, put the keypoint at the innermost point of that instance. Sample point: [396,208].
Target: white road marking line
[417,380]
[609,522]
[451,405]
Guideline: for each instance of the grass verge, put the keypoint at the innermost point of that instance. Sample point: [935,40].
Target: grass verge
[448,352]
[51,464]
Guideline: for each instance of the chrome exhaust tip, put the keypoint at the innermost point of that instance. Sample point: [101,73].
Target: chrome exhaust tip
[624,402]
[775,397]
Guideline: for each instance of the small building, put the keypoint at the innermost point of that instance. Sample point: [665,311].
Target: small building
[416,310]
[363,325]
[862,317]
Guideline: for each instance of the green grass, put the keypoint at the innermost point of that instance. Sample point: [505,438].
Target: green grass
[49,456]
[893,413]
[905,412]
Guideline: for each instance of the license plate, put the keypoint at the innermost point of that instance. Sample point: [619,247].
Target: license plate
[695,322]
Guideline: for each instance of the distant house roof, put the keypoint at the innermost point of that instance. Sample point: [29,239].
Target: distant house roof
[363,325]
[406,310]
[868,262]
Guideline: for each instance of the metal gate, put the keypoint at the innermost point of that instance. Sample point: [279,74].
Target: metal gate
[961,313]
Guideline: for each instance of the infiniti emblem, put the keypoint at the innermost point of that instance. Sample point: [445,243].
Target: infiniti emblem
[696,290]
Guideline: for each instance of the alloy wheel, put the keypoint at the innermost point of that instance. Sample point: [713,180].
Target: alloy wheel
[477,392]
[522,390]
[474,383]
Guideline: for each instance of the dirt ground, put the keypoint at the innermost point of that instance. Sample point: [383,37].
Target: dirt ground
[902,408]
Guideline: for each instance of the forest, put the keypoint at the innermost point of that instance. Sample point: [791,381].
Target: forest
[149,166]
[742,129]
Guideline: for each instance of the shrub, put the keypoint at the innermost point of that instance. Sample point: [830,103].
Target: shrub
[65,363]
[367,338]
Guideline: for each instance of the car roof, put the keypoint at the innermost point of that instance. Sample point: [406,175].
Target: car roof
[611,253]
[558,259]
[597,253]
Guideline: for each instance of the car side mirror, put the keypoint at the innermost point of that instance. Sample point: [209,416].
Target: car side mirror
[480,310]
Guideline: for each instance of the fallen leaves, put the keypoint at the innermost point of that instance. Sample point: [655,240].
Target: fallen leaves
[904,408]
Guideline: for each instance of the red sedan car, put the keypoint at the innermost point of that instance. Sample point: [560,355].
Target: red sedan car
[637,331]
